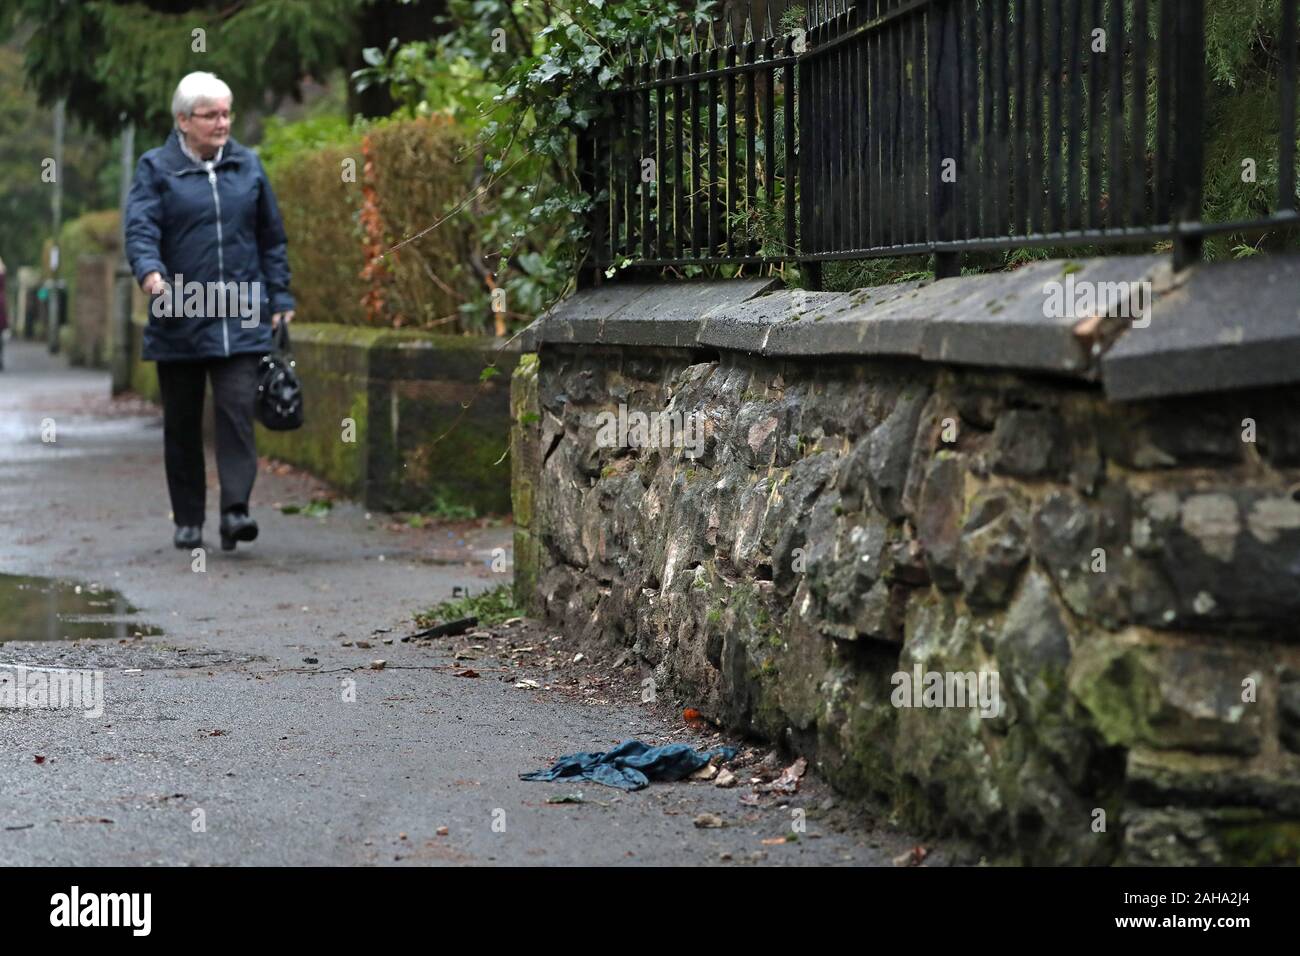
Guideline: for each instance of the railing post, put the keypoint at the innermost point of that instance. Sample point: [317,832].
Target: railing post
[1188,128]
[944,131]
[590,269]
[808,184]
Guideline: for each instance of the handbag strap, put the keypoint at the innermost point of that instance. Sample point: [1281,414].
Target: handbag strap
[282,337]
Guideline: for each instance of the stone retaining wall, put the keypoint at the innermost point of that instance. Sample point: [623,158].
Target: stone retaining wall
[1129,572]
[429,435]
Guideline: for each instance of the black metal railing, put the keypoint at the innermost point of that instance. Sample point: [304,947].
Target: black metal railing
[692,167]
[935,127]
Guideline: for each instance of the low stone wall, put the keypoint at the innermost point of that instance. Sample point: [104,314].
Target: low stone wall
[1123,579]
[427,433]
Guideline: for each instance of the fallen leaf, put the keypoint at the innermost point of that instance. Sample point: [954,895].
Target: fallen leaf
[725,779]
[467,672]
[690,713]
[709,821]
[788,782]
[707,772]
[40,758]
[913,857]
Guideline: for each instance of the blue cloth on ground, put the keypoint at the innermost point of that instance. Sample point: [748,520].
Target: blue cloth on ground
[632,765]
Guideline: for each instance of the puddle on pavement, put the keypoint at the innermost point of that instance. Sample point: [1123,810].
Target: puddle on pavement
[47,609]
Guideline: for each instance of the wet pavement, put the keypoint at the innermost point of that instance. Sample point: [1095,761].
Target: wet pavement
[245,732]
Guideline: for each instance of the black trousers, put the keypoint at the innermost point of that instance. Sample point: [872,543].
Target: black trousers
[234,384]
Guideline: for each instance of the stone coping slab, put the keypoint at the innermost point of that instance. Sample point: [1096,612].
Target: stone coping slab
[1213,327]
[1225,325]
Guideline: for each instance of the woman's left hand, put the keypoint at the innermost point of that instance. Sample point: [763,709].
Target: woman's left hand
[275,319]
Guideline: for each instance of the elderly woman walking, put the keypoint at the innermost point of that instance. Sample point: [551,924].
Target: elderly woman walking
[205,240]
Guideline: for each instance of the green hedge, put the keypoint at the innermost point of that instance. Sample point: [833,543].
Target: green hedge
[348,193]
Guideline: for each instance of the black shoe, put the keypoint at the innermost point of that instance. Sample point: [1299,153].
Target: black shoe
[188,536]
[236,526]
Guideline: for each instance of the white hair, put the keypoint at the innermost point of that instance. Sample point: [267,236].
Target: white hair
[198,88]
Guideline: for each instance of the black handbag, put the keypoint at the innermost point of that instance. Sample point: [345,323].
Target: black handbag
[279,393]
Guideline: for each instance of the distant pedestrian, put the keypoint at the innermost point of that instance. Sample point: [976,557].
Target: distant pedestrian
[205,240]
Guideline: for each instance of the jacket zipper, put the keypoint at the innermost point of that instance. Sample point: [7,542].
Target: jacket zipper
[221,256]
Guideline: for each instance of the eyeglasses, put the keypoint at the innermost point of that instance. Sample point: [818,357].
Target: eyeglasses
[210,117]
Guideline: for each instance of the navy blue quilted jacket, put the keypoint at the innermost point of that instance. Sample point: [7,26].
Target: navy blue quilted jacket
[208,227]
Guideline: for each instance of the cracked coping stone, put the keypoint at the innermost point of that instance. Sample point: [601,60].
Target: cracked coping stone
[1200,338]
[995,320]
[1219,326]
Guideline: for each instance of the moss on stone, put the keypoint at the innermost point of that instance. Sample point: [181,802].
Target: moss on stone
[1259,842]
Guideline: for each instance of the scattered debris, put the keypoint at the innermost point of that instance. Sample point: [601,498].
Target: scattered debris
[311,660]
[378,665]
[577,658]
[709,821]
[364,645]
[566,798]
[467,672]
[725,779]
[632,764]
[446,629]
[40,758]
[913,857]
[526,683]
[749,799]
[707,773]
[442,831]
[788,782]
[775,841]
